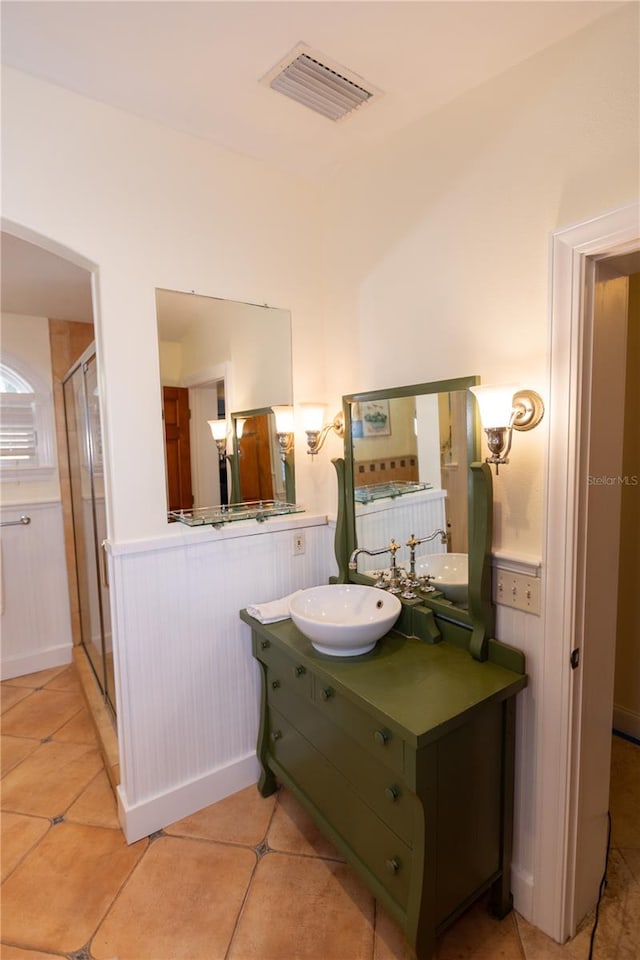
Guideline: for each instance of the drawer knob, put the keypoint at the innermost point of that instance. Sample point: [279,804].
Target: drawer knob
[381,738]
[392,865]
[265,644]
[275,684]
[276,735]
[392,793]
[300,670]
[326,693]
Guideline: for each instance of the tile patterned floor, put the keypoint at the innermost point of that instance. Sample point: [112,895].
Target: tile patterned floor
[244,879]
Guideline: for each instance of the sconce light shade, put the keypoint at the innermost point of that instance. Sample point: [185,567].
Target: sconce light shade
[502,410]
[240,422]
[495,403]
[218,429]
[284,419]
[284,429]
[219,433]
[312,417]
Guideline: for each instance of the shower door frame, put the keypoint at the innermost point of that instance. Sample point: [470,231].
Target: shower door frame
[105,681]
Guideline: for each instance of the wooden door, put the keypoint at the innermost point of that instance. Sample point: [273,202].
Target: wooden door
[178,448]
[256,480]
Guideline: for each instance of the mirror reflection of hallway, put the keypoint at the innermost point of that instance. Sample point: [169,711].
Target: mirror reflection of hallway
[214,349]
[255,459]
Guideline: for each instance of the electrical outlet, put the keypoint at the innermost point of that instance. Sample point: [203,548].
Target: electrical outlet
[298,544]
[516,590]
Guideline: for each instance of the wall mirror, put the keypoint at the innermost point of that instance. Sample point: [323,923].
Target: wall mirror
[212,361]
[407,456]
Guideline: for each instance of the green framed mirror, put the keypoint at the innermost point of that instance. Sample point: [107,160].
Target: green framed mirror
[411,471]
[260,470]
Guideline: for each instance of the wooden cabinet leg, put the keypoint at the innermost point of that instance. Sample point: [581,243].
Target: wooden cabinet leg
[267,781]
[501,899]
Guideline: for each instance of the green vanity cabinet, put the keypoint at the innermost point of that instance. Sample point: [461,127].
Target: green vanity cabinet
[404,758]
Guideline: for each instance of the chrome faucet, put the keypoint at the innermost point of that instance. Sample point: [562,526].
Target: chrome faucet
[353,559]
[412,543]
[394,582]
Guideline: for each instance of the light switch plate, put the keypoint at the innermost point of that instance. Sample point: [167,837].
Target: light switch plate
[516,590]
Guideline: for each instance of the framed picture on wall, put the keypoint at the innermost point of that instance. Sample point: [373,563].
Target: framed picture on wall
[375,418]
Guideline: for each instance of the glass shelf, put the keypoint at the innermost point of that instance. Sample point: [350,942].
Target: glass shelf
[259,510]
[398,488]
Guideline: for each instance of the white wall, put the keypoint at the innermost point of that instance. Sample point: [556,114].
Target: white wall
[35,617]
[439,240]
[155,208]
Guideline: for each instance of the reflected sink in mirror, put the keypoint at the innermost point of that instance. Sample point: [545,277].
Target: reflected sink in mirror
[450,572]
[344,620]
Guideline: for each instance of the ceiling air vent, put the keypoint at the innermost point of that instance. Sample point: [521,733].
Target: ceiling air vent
[303,77]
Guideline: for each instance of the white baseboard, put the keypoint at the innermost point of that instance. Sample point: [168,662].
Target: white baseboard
[150,815]
[626,722]
[522,890]
[42,660]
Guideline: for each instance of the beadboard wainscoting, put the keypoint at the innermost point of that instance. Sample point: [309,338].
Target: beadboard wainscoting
[380,521]
[525,631]
[188,687]
[36,623]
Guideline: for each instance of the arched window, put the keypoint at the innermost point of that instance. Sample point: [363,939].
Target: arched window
[26,422]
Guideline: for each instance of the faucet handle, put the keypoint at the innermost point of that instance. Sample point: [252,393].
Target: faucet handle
[393,547]
[412,542]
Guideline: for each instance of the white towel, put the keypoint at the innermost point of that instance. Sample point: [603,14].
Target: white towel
[272,611]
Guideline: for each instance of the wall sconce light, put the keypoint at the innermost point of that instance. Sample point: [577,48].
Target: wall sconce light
[219,433]
[316,431]
[502,410]
[284,429]
[240,422]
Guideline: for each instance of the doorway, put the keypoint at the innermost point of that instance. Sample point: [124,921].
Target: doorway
[610,372]
[578,695]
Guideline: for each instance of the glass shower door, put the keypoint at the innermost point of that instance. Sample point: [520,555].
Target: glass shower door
[84,438]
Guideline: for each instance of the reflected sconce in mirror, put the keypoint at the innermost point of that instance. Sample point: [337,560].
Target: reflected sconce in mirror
[219,433]
[502,410]
[284,429]
[315,429]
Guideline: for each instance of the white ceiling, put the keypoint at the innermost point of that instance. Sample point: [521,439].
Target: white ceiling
[197,66]
[40,284]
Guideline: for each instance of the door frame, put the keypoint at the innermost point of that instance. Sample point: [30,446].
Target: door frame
[573,250]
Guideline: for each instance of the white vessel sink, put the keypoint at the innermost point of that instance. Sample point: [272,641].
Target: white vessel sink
[344,619]
[450,572]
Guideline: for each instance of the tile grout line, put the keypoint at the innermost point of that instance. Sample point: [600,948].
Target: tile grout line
[117,895]
[263,842]
[32,848]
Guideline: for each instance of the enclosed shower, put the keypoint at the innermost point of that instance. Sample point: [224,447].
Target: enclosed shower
[84,443]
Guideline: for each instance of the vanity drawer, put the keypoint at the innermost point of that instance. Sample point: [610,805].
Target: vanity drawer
[378,848]
[281,668]
[380,788]
[377,739]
